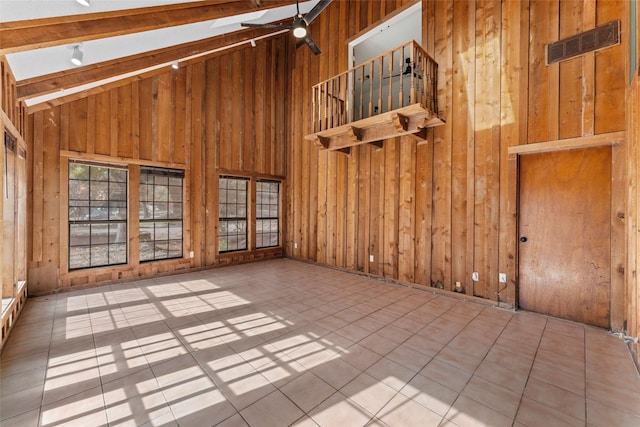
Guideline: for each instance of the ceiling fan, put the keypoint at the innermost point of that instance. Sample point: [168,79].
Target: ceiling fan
[299,25]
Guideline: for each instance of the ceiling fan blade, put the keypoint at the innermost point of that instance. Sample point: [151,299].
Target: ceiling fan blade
[274,26]
[309,42]
[317,9]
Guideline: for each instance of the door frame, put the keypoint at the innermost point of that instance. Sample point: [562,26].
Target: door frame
[618,192]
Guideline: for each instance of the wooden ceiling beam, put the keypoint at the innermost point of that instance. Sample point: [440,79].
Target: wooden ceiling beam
[67,79]
[39,33]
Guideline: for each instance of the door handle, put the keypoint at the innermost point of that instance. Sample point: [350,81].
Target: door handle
[523,239]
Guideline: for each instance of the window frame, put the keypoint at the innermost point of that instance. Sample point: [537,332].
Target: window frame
[259,217]
[228,219]
[157,173]
[122,222]
[252,214]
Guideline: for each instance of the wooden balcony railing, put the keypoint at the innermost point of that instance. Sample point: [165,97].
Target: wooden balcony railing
[390,95]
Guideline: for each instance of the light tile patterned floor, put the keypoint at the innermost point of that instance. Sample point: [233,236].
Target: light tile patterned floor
[281,343]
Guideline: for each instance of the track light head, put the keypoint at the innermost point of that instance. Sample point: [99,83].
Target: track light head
[84,2]
[299,28]
[76,57]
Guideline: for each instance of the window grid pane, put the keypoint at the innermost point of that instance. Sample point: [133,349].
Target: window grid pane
[160,213]
[97,215]
[232,213]
[267,213]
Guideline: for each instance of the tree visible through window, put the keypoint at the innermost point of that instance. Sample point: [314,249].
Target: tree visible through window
[267,217]
[97,215]
[160,214]
[232,233]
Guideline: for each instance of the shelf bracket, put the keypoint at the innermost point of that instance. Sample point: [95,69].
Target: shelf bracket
[420,136]
[377,144]
[322,141]
[355,134]
[400,122]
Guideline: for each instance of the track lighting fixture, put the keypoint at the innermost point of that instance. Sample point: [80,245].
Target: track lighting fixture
[299,25]
[175,65]
[76,57]
[253,43]
[84,2]
[299,28]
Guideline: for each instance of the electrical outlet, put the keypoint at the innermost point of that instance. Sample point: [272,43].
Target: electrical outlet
[475,276]
[370,258]
[502,277]
[295,246]
[191,254]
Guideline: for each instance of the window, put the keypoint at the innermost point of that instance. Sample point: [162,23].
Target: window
[97,215]
[232,235]
[161,208]
[267,218]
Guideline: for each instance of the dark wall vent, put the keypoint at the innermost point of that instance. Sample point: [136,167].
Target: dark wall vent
[600,37]
[9,141]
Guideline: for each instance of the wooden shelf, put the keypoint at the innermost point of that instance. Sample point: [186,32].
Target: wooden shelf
[411,120]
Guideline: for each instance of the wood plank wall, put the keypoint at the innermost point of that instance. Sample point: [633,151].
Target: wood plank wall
[224,115]
[632,218]
[432,214]
[632,283]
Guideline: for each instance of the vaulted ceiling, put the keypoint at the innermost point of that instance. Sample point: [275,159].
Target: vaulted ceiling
[121,38]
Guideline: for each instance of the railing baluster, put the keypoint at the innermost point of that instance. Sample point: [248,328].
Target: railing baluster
[325,118]
[314,113]
[350,95]
[329,96]
[434,87]
[401,63]
[318,107]
[339,96]
[327,105]
[336,101]
[331,105]
[412,75]
[381,72]
[370,92]
[421,76]
[427,83]
[313,109]
[344,98]
[390,95]
[361,106]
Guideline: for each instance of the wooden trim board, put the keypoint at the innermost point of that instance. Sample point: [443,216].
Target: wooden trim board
[611,138]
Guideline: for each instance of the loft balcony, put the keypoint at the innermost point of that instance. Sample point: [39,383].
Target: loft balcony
[391,95]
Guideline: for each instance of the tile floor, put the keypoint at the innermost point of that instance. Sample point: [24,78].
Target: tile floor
[282,342]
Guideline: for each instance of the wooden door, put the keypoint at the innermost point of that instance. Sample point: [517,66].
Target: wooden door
[565,234]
